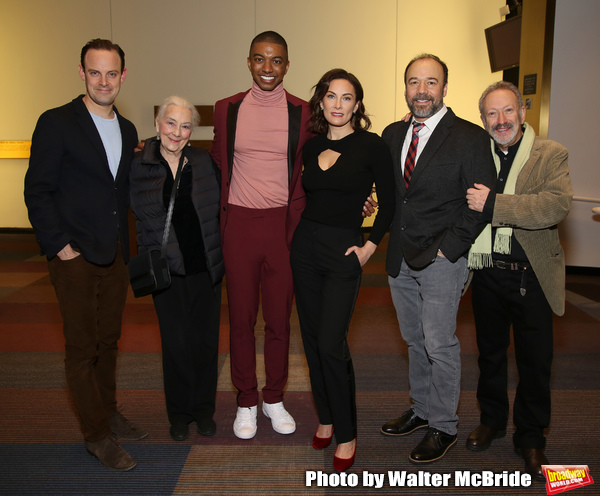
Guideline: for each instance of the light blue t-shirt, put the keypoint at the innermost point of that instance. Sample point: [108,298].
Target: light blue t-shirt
[110,132]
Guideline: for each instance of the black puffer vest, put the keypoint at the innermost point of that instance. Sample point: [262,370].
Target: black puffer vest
[147,180]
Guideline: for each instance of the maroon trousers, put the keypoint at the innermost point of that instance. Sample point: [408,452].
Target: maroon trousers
[91,299]
[257,263]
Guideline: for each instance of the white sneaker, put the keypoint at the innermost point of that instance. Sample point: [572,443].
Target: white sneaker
[244,425]
[282,421]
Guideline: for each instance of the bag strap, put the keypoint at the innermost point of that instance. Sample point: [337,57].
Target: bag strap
[163,248]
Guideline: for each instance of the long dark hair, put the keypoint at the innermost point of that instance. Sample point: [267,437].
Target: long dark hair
[317,122]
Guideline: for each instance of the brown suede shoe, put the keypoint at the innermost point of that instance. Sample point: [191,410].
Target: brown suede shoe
[110,454]
[125,429]
[481,438]
[534,459]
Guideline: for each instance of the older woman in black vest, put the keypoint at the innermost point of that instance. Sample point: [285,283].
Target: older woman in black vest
[189,309]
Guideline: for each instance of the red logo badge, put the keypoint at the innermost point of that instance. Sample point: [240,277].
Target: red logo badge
[560,478]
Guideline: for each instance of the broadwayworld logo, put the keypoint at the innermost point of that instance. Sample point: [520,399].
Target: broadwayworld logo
[560,478]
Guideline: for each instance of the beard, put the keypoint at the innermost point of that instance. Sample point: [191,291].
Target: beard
[424,111]
[507,139]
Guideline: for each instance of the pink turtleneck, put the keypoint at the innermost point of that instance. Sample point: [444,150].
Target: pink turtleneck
[260,167]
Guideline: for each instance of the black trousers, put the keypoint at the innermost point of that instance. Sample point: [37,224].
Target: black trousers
[189,315]
[498,303]
[326,284]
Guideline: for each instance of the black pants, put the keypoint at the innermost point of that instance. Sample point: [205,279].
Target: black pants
[498,303]
[326,284]
[189,315]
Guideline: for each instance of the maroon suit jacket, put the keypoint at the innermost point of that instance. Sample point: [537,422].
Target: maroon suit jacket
[225,122]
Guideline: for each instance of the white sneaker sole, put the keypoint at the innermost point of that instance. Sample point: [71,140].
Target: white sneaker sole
[244,435]
[289,430]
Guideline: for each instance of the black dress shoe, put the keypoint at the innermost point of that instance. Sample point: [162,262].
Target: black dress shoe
[179,432]
[481,438]
[207,427]
[407,423]
[434,446]
[534,459]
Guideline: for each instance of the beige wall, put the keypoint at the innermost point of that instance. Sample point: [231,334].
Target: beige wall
[198,48]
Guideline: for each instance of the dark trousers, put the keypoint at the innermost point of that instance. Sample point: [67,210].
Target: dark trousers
[257,262]
[326,284]
[498,303]
[189,314]
[91,299]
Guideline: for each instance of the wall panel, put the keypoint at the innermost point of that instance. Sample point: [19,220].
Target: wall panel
[198,48]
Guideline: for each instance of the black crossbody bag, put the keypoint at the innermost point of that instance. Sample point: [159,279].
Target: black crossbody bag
[149,271]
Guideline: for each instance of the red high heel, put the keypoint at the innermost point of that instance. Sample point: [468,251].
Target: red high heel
[320,443]
[343,464]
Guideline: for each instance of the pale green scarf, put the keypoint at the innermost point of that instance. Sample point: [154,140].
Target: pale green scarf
[480,254]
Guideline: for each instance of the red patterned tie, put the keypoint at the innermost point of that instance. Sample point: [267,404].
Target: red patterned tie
[409,165]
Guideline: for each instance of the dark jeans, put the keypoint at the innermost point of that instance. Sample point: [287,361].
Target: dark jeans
[326,284]
[189,313]
[91,299]
[498,304]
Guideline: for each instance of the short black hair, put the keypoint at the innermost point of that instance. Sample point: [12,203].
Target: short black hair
[100,44]
[269,37]
[432,57]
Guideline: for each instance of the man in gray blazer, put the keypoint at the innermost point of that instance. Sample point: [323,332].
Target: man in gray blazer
[437,157]
[522,278]
[77,195]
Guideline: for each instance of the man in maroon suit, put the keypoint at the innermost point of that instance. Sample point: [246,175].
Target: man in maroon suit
[259,135]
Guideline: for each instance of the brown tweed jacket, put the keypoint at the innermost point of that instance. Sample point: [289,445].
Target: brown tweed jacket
[542,198]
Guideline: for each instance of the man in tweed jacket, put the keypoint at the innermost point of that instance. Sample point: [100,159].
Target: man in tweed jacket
[522,281]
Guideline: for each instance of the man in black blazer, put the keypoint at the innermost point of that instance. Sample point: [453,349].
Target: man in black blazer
[437,157]
[77,195]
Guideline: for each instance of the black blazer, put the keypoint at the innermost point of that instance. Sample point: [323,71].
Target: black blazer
[70,193]
[432,213]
